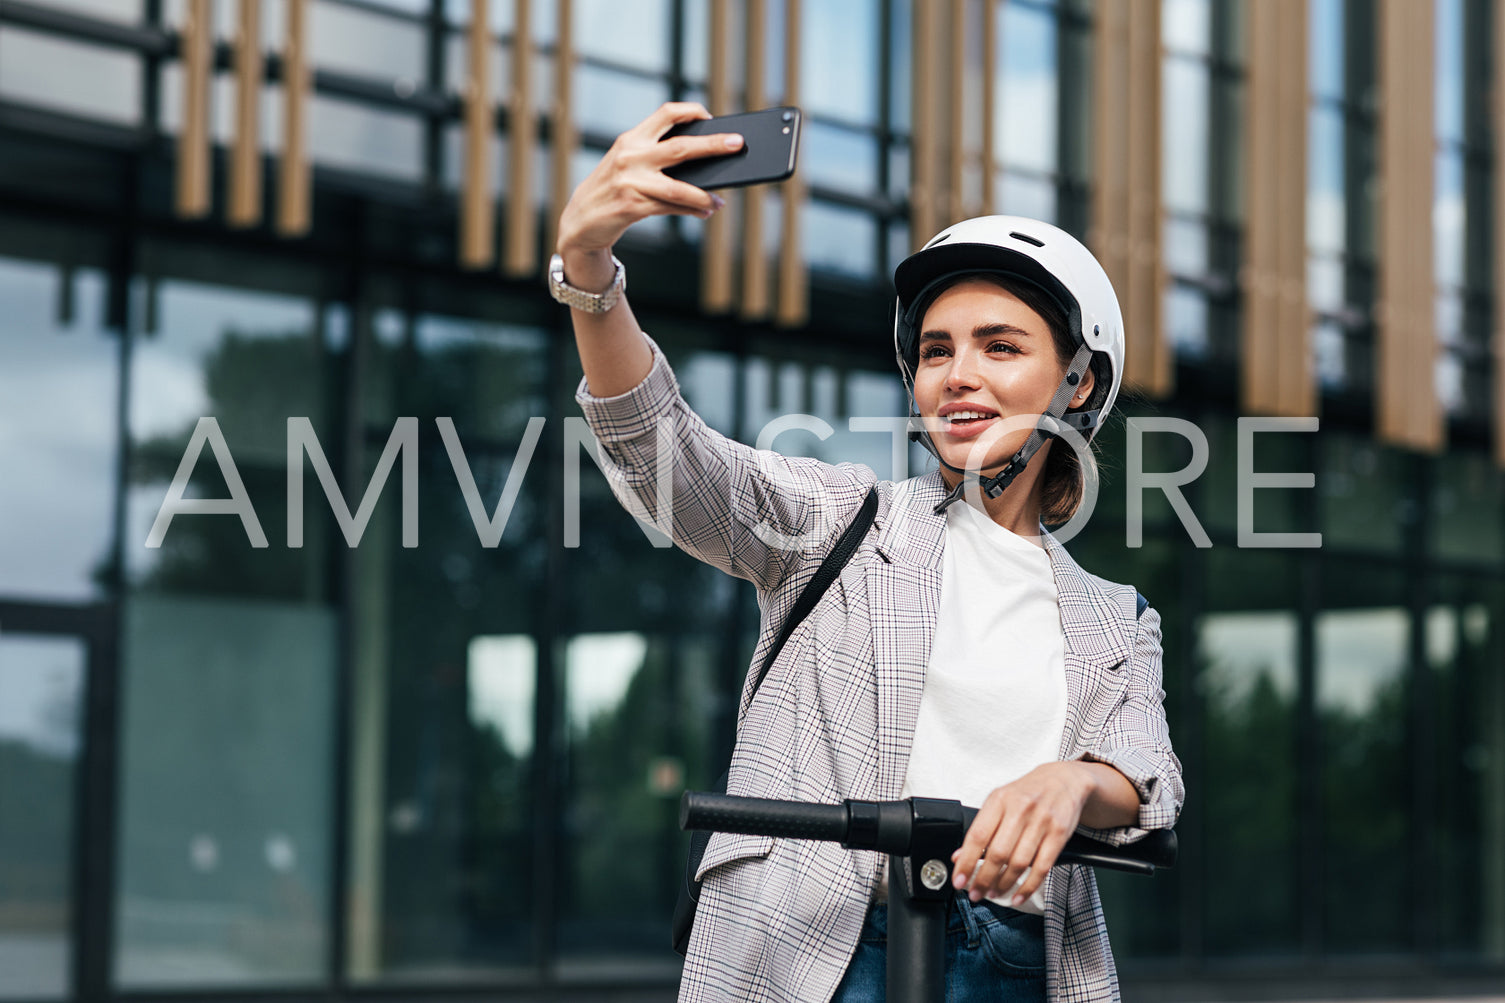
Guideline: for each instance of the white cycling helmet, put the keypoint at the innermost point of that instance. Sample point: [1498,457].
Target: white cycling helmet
[1053,261]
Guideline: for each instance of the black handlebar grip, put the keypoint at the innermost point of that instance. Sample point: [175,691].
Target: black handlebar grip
[763,817]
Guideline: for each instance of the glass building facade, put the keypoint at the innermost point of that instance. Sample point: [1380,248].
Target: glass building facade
[415,721]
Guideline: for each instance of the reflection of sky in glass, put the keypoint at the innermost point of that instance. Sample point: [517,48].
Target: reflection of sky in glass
[1325,47]
[633,34]
[1019,195]
[598,670]
[501,673]
[169,392]
[41,691]
[611,102]
[69,76]
[1448,220]
[1027,89]
[342,134]
[366,43]
[1186,320]
[708,382]
[1359,653]
[839,59]
[1186,25]
[1237,648]
[1447,98]
[840,239]
[1184,166]
[57,434]
[1326,214]
[838,158]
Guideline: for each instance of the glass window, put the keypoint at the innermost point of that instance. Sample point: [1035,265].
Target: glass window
[225,812]
[629,703]
[1185,94]
[1463,643]
[1247,661]
[367,140]
[1027,89]
[640,41]
[1468,495]
[840,239]
[41,694]
[1186,26]
[1363,689]
[367,43]
[839,158]
[59,375]
[838,60]
[611,102]
[250,359]
[69,76]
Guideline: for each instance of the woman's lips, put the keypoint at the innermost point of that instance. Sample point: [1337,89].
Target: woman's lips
[967,424]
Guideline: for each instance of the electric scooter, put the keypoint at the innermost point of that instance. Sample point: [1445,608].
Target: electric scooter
[919,836]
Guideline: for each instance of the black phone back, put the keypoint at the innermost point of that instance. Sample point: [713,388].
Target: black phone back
[770,144]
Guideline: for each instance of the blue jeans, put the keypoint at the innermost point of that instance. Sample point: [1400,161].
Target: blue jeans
[993,955]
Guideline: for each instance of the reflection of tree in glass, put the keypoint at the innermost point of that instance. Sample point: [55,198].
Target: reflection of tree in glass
[622,837]
[1250,805]
[1367,799]
[254,383]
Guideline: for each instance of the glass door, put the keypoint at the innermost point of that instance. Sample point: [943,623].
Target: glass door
[46,669]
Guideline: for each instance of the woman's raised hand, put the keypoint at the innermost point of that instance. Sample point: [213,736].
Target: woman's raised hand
[629,184]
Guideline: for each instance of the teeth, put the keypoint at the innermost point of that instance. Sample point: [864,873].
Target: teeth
[964,415]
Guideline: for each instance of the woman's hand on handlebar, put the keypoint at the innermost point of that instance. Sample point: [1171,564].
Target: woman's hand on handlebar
[1022,827]
[629,184]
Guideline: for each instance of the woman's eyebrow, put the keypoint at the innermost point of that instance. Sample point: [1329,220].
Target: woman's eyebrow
[997,328]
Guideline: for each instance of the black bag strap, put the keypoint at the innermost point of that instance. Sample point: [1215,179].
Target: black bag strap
[824,576]
[1140,604]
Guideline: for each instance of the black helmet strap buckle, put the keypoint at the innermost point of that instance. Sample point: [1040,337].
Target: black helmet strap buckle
[1050,423]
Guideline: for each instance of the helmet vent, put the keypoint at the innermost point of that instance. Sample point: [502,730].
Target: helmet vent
[944,236]
[1027,238]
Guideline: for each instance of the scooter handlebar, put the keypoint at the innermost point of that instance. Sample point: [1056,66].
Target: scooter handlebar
[883,826]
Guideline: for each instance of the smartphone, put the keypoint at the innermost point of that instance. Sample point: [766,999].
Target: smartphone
[770,143]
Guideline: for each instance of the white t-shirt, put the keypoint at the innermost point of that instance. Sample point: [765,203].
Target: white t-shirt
[994,704]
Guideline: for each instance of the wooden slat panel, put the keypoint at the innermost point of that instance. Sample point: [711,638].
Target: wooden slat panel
[1127,201]
[757,291]
[565,138]
[1275,372]
[716,240]
[1296,383]
[956,127]
[245,146]
[295,180]
[192,188]
[1407,411]
[477,211]
[521,256]
[989,68]
[1109,233]
[923,211]
[794,289]
[1260,279]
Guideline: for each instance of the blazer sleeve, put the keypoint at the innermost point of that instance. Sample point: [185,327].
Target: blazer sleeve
[752,513]
[1136,741]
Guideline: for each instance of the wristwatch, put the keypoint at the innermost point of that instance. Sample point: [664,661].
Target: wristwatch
[581,300]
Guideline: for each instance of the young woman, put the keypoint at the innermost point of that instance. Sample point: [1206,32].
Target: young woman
[961,654]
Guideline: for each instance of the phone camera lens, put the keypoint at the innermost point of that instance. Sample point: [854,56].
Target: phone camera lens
[789,116]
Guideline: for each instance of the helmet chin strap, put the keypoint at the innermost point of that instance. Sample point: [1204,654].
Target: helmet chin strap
[1050,422]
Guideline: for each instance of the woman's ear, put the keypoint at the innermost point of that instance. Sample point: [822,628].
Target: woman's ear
[1084,390]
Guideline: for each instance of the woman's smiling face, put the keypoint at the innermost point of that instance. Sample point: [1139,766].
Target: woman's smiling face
[985,356]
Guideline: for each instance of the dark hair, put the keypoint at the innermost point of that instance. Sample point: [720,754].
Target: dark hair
[1061,482]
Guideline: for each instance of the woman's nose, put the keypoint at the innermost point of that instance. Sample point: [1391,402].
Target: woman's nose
[962,373]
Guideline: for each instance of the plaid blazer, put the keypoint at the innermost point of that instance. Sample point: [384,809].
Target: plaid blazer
[779,919]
